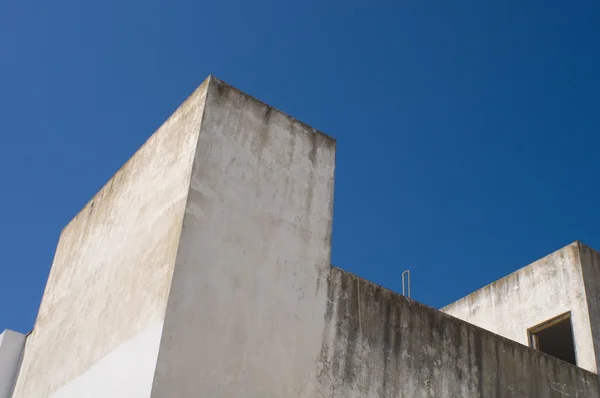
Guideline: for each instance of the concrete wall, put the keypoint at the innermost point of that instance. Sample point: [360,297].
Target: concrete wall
[255,309]
[11,348]
[203,269]
[380,344]
[246,309]
[543,290]
[590,264]
[104,304]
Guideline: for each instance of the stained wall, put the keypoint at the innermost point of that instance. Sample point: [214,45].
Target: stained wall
[203,269]
[101,316]
[534,294]
[255,309]
[590,265]
[381,344]
[246,308]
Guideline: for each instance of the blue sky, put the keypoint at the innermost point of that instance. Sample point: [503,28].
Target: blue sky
[468,132]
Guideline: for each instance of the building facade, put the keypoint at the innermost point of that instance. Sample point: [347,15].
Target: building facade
[202,269]
[553,302]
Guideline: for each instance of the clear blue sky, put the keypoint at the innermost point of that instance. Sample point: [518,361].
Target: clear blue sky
[468,132]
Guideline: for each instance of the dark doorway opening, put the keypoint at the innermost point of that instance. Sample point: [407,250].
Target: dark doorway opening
[555,337]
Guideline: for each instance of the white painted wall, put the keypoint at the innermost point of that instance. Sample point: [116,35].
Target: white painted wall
[541,291]
[227,211]
[256,310]
[112,270]
[245,316]
[125,372]
[11,348]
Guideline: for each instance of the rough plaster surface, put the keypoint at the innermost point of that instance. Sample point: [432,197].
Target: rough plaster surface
[380,344]
[112,269]
[255,309]
[125,372]
[541,291]
[220,226]
[11,348]
[245,306]
[590,264]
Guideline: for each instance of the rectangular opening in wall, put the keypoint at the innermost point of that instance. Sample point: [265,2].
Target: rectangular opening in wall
[555,337]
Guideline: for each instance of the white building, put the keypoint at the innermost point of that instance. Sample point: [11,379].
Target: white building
[202,269]
[552,304]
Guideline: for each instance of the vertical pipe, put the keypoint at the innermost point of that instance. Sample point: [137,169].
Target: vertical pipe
[406,287]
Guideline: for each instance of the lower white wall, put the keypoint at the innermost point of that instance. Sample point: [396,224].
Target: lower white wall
[11,348]
[126,372]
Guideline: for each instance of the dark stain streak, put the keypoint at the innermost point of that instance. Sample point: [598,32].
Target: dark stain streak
[292,146]
[261,137]
[352,329]
[312,154]
[395,342]
[222,89]
[479,359]
[387,343]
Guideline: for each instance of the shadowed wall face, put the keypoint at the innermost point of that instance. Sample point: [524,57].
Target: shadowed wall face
[590,264]
[379,344]
[11,350]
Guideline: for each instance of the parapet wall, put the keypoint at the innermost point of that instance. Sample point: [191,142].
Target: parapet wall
[380,344]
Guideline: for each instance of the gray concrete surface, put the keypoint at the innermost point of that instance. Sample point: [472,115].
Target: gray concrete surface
[11,350]
[536,293]
[381,344]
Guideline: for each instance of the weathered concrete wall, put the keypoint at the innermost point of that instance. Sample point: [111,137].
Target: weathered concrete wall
[255,309]
[543,290]
[203,269]
[107,290]
[380,344]
[590,264]
[11,349]
[245,313]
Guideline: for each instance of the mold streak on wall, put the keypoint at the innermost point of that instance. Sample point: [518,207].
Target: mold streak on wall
[380,344]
